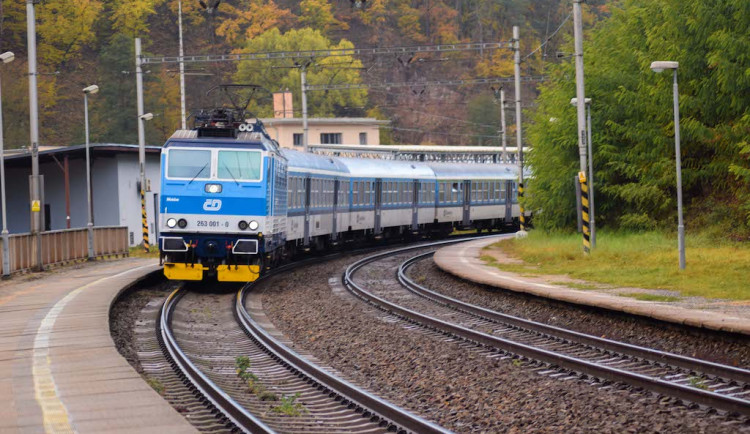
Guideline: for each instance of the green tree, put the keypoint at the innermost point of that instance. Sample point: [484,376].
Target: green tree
[329,70]
[318,15]
[632,109]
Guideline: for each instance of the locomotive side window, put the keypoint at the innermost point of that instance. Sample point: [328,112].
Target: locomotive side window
[239,165]
[191,164]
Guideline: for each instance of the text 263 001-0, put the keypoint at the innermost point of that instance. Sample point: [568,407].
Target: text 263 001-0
[212,224]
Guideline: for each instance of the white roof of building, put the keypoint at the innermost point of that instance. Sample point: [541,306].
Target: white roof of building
[325,121]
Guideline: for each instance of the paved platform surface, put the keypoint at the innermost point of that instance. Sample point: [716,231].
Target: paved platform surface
[462,260]
[59,368]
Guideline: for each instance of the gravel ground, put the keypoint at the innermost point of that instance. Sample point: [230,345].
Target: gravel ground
[709,346]
[452,383]
[126,312]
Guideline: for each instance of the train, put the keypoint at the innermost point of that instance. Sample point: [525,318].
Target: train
[233,204]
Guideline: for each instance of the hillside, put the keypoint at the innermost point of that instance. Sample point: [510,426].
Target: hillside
[91,41]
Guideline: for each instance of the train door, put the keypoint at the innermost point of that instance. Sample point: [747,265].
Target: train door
[467,203]
[378,204]
[508,201]
[334,231]
[415,205]
[308,185]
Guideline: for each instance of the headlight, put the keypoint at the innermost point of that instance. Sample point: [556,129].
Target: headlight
[172,223]
[253,225]
[213,188]
[182,223]
[242,225]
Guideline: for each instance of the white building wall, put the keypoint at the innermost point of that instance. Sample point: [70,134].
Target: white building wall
[128,173]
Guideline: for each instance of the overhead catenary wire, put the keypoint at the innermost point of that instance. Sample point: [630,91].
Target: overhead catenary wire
[549,38]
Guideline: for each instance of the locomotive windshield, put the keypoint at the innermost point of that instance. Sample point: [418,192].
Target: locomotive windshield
[239,165]
[193,164]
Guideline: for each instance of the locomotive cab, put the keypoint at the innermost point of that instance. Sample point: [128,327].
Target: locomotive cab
[217,202]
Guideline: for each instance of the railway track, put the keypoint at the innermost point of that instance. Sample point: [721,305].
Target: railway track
[564,352]
[288,393]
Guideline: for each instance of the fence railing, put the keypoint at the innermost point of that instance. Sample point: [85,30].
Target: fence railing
[64,246]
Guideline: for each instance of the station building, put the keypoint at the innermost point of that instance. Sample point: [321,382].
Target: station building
[287,129]
[115,197]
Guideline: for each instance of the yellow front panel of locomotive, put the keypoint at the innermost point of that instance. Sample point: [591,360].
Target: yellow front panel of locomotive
[237,273]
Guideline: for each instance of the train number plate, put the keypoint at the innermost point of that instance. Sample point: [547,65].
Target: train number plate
[212,224]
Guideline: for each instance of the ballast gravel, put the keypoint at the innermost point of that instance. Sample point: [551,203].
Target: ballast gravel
[453,383]
[728,350]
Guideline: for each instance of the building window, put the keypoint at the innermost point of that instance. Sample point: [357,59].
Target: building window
[362,138]
[330,138]
[297,139]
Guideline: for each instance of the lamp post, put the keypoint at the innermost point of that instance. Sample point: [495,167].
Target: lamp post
[90,90]
[587,101]
[182,66]
[657,67]
[6,57]
[142,163]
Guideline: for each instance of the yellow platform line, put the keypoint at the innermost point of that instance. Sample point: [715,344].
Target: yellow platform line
[54,413]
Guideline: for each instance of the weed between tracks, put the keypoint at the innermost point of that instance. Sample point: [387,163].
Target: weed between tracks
[289,405]
[242,364]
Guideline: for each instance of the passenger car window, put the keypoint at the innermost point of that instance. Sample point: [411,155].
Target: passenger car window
[239,165]
[183,163]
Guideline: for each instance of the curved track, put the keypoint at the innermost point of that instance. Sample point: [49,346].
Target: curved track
[328,404]
[714,385]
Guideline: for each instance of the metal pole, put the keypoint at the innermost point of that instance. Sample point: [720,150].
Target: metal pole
[303,77]
[591,180]
[502,125]
[182,67]
[678,159]
[519,131]
[580,90]
[6,241]
[141,140]
[34,131]
[90,222]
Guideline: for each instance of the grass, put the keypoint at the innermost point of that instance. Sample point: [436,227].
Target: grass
[137,252]
[642,260]
[156,385]
[649,297]
[289,406]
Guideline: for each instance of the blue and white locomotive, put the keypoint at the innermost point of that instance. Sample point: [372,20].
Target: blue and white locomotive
[233,204]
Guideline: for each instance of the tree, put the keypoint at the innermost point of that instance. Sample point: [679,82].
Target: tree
[632,109]
[329,70]
[250,19]
[318,15]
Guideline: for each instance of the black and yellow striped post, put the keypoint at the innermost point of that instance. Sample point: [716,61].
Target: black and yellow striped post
[522,217]
[144,220]
[585,212]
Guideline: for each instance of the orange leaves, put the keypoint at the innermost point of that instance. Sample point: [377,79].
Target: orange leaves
[250,19]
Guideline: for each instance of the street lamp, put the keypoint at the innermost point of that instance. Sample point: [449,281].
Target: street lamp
[90,90]
[587,101]
[142,163]
[6,57]
[660,66]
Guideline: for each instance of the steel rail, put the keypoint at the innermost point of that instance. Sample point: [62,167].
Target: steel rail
[372,405]
[704,366]
[220,399]
[695,395]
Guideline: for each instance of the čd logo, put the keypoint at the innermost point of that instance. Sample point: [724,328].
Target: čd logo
[212,205]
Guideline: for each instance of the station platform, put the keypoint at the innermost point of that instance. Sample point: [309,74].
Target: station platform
[59,368]
[463,260]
